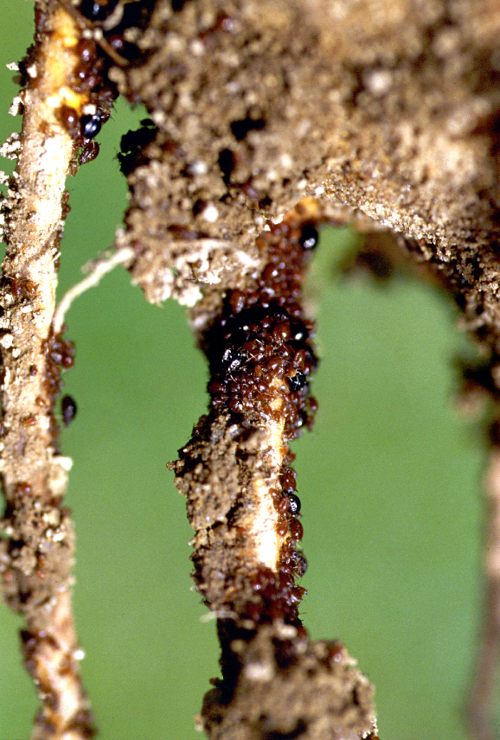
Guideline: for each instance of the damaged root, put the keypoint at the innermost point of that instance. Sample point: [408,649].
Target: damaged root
[242,502]
[235,471]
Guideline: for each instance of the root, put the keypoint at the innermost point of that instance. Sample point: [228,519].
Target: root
[481,704]
[36,555]
[241,500]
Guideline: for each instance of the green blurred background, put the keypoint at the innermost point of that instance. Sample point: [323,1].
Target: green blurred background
[388,481]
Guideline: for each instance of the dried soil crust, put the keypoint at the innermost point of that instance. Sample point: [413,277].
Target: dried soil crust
[289,688]
[383,107]
[213,479]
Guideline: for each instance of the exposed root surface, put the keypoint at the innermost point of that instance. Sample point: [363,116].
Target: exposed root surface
[36,552]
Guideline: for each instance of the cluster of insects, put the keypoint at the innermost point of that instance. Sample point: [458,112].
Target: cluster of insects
[261,358]
[60,355]
[102,45]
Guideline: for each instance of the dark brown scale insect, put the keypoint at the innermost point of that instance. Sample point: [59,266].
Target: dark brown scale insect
[282,506]
[254,349]
[299,564]
[68,357]
[281,332]
[313,404]
[70,119]
[65,207]
[85,81]
[335,655]
[288,480]
[282,528]
[215,389]
[273,365]
[300,359]
[86,49]
[235,405]
[15,288]
[89,152]
[296,594]
[262,387]
[59,353]
[270,272]
[296,530]
[287,352]
[237,301]
[22,288]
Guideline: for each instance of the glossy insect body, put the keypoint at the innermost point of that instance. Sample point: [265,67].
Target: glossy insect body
[68,409]
[91,125]
[96,11]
